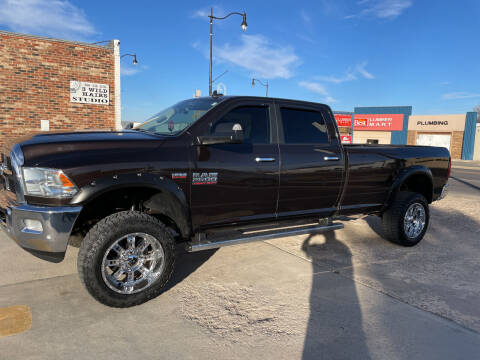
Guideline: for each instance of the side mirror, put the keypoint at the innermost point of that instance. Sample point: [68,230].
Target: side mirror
[235,136]
[237,133]
[128,126]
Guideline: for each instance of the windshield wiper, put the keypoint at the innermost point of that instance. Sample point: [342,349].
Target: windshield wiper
[143,130]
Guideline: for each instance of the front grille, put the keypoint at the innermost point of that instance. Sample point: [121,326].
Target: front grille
[7,178]
[8,181]
[5,161]
[3,216]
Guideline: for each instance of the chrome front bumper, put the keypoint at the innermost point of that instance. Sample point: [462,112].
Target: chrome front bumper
[48,239]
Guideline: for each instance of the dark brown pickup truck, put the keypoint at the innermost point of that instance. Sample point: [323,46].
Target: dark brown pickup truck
[206,172]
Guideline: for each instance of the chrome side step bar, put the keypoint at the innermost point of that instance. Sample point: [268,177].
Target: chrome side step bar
[197,245]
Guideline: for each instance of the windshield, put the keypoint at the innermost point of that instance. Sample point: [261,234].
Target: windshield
[174,119]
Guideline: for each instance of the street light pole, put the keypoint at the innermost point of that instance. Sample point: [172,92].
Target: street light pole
[259,81]
[135,62]
[210,69]
[244,27]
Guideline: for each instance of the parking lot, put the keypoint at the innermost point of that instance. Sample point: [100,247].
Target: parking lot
[344,295]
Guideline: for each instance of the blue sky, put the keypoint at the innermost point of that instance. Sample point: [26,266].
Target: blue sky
[344,53]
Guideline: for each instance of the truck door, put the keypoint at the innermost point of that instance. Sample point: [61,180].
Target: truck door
[236,182]
[312,162]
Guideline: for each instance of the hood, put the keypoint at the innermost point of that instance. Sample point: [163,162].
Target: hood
[44,147]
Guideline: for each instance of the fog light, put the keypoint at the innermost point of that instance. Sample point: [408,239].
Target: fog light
[34,226]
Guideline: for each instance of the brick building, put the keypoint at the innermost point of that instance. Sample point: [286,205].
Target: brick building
[397,125]
[453,131]
[36,79]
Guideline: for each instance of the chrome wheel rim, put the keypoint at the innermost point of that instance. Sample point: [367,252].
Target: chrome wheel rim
[414,221]
[133,263]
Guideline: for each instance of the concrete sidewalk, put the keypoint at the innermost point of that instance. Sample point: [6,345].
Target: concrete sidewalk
[254,302]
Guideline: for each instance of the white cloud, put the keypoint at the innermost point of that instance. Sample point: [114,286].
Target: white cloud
[360,68]
[202,47]
[460,95]
[314,87]
[307,28]
[57,18]
[258,55]
[127,70]
[330,99]
[203,13]
[306,38]
[349,75]
[317,88]
[382,9]
[307,20]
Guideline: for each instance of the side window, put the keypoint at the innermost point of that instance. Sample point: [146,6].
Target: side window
[303,127]
[254,120]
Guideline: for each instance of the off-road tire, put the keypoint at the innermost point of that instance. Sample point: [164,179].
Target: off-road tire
[393,218]
[105,233]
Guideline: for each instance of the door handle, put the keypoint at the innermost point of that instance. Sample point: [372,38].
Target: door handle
[260,159]
[331,158]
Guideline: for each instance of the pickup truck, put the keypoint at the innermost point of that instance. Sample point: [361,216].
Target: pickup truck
[205,173]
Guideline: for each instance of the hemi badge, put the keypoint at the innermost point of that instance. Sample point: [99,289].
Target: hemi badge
[179,175]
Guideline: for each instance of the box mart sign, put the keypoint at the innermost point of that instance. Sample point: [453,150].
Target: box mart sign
[378,122]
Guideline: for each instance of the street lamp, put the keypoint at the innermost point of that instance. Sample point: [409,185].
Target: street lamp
[266,85]
[244,28]
[135,62]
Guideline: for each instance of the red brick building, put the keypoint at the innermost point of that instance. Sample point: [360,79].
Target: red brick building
[36,79]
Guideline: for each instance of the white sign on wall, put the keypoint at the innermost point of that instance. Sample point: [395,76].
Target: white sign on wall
[89,93]
[45,125]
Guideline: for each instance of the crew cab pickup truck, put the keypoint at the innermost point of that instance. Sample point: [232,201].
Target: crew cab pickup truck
[205,173]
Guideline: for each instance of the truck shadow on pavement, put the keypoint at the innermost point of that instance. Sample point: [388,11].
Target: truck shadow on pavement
[337,325]
[466,183]
[334,328]
[186,264]
[375,223]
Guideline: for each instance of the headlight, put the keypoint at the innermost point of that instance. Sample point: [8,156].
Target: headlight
[51,183]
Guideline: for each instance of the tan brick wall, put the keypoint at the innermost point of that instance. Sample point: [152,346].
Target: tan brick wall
[456,145]
[411,137]
[35,76]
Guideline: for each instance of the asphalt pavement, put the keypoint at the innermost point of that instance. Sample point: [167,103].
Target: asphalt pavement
[348,294]
[467,176]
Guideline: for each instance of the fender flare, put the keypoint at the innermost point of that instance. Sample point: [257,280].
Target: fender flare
[170,199]
[403,176]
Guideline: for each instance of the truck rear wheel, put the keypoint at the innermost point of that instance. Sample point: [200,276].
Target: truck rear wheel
[406,220]
[126,259]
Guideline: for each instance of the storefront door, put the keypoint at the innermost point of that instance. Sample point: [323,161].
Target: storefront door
[442,140]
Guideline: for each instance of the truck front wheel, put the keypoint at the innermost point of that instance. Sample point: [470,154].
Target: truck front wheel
[126,259]
[406,220]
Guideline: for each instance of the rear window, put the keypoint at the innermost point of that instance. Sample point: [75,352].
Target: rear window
[303,126]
